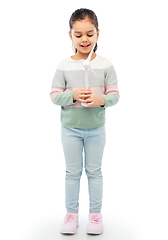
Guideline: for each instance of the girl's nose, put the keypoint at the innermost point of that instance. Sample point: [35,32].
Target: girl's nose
[84,39]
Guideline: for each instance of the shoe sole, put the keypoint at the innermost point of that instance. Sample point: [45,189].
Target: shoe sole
[69,233]
[94,233]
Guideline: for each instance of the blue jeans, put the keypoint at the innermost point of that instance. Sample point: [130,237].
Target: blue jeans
[92,141]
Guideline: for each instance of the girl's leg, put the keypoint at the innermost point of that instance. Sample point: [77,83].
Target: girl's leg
[94,144]
[73,148]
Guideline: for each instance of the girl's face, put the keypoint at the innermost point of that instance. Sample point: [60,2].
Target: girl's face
[84,36]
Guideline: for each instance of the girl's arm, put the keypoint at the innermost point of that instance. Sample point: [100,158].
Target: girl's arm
[111,94]
[58,94]
[62,98]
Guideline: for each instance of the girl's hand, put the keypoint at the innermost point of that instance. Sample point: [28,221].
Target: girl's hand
[81,94]
[95,100]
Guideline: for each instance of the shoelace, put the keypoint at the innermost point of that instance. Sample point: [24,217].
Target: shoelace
[69,218]
[95,219]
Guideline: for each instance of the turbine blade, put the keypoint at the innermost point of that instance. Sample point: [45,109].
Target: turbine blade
[90,54]
[92,71]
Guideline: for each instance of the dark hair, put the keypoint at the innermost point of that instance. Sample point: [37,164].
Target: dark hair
[81,14]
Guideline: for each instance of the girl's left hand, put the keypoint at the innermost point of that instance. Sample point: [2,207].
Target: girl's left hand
[95,100]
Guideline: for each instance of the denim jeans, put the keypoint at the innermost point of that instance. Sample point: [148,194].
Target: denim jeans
[75,141]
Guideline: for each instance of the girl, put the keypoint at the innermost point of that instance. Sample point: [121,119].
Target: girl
[83,127]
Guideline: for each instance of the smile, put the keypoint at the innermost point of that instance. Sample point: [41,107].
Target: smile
[85,46]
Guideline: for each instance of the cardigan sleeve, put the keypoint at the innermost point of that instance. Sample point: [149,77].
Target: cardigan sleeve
[59,95]
[111,95]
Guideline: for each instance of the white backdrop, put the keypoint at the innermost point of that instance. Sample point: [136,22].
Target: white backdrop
[34,39]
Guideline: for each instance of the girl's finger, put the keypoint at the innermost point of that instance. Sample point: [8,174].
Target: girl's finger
[83,100]
[84,96]
[85,91]
[90,103]
[89,100]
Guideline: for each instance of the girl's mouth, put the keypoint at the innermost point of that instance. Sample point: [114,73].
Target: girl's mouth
[85,46]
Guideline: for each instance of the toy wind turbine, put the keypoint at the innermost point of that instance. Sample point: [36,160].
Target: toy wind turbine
[87,67]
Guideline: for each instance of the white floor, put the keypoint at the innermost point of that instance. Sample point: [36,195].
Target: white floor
[50,230]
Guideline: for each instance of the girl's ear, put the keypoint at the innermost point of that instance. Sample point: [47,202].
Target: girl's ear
[70,34]
[98,34]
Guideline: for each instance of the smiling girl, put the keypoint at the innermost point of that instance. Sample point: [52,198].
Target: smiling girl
[83,128]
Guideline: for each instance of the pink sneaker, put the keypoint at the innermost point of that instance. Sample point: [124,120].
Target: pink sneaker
[70,223]
[95,225]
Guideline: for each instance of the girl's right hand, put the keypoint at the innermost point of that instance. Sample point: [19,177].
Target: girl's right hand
[81,94]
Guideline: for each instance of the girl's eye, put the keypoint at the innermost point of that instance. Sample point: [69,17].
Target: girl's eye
[78,36]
